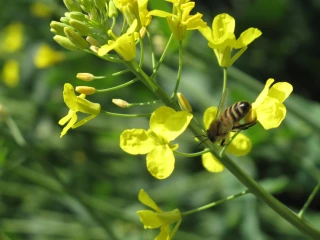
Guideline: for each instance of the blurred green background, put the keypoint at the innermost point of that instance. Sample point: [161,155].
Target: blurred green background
[83,186]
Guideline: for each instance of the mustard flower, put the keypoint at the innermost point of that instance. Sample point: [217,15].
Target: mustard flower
[268,108]
[158,218]
[77,104]
[180,20]
[134,9]
[165,125]
[124,45]
[240,146]
[46,56]
[222,40]
[11,73]
[12,38]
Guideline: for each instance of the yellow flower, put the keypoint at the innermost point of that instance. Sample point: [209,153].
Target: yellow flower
[158,218]
[11,73]
[240,146]
[124,45]
[180,20]
[134,9]
[77,104]
[222,40]
[12,38]
[165,125]
[46,56]
[268,108]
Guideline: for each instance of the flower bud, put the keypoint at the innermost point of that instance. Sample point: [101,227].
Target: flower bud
[86,5]
[77,16]
[58,27]
[112,10]
[85,76]
[72,5]
[75,38]
[100,4]
[86,90]
[93,41]
[81,27]
[94,49]
[65,42]
[65,20]
[120,103]
[184,103]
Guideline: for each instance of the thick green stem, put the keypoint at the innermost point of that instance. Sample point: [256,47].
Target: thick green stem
[246,180]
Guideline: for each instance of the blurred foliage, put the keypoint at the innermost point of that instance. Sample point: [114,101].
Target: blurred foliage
[84,186]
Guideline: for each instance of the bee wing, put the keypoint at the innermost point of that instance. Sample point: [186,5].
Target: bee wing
[222,103]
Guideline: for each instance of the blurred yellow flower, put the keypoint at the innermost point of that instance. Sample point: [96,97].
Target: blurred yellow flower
[46,56]
[12,38]
[11,73]
[158,218]
[40,10]
[77,104]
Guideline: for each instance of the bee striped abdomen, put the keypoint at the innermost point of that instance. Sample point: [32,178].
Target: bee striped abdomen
[237,111]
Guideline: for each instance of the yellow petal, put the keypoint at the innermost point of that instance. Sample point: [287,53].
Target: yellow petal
[247,37]
[160,13]
[158,119]
[160,162]
[148,201]
[270,113]
[149,219]
[73,119]
[136,141]
[65,119]
[240,146]
[209,115]
[280,91]
[206,32]
[107,48]
[263,94]
[83,121]
[86,106]
[211,163]
[69,96]
[164,233]
[176,124]
[222,24]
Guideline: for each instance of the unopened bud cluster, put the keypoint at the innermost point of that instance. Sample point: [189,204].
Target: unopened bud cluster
[85,24]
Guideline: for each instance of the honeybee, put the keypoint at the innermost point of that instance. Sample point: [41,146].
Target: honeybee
[229,121]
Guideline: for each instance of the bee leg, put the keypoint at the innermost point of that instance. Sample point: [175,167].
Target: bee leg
[223,143]
[242,126]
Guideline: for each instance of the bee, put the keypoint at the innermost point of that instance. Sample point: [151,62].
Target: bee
[229,121]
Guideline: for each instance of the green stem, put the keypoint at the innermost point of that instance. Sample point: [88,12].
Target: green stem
[143,103]
[226,146]
[192,154]
[126,115]
[225,79]
[118,87]
[161,58]
[246,180]
[153,57]
[15,131]
[141,51]
[312,195]
[210,205]
[179,71]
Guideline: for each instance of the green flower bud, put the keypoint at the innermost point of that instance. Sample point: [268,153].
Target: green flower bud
[93,41]
[100,4]
[72,6]
[81,27]
[86,5]
[112,10]
[54,31]
[58,27]
[65,42]
[78,16]
[75,38]
[65,20]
